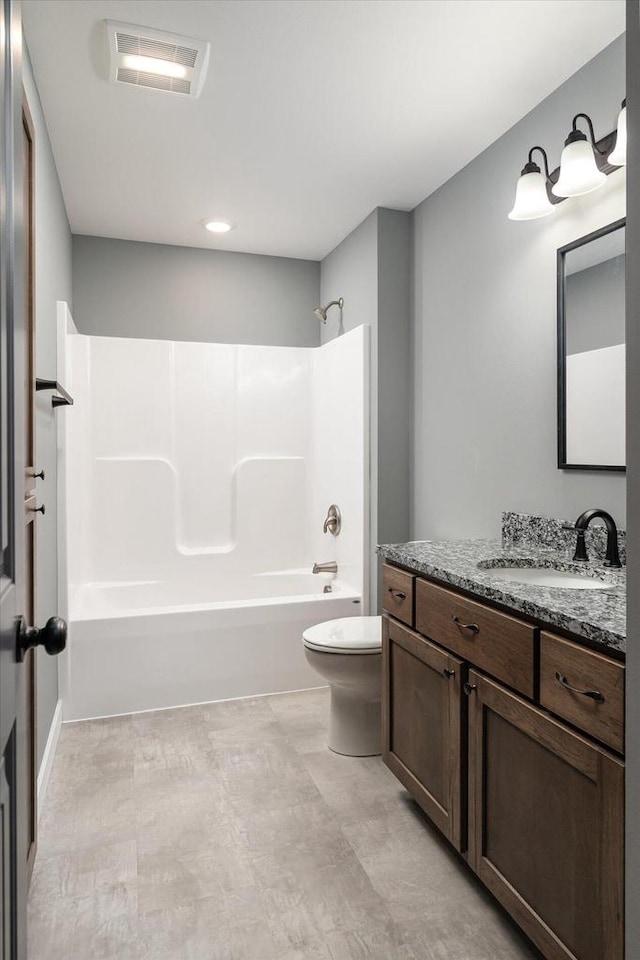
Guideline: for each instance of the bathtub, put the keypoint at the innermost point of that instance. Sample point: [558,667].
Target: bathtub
[146,645]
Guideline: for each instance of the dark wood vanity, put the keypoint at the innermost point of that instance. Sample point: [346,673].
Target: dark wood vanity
[511,739]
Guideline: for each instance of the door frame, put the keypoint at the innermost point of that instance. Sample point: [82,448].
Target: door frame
[632,301]
[30,526]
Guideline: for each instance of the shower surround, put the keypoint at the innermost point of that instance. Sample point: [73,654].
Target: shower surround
[195,478]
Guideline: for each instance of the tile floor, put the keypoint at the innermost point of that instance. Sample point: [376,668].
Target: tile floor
[230,832]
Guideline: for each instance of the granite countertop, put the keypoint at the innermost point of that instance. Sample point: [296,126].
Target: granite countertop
[598,616]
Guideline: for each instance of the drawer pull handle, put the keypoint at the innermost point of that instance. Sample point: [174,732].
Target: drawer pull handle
[592,694]
[469,688]
[447,672]
[397,594]
[472,627]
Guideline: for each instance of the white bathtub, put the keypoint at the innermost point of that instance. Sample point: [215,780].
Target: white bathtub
[149,644]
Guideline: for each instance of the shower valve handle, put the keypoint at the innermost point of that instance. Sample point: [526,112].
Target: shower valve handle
[333,521]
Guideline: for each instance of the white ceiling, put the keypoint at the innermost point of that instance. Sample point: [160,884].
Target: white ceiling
[313,113]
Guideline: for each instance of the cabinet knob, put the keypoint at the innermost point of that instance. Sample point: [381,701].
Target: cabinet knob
[39,509]
[39,475]
[447,672]
[469,688]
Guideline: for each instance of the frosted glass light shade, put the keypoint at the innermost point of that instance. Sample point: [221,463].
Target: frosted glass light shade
[531,198]
[618,156]
[578,171]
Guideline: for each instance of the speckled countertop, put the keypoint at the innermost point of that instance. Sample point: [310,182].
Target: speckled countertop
[598,616]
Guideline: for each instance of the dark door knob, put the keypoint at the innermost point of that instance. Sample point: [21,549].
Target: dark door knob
[53,637]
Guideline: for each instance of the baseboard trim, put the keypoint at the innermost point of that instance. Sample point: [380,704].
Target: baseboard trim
[198,703]
[49,754]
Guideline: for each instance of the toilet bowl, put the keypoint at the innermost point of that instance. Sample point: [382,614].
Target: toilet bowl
[347,654]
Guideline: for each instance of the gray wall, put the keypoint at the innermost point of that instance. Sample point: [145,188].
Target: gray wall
[371,270]
[485,328]
[52,283]
[351,271]
[633,486]
[594,306]
[122,288]
[394,374]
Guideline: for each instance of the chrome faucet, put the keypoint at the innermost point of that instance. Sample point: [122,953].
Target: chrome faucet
[329,567]
[612,558]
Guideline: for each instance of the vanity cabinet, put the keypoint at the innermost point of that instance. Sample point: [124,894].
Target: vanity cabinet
[493,727]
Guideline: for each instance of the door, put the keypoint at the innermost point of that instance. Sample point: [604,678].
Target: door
[13,748]
[18,635]
[421,724]
[546,825]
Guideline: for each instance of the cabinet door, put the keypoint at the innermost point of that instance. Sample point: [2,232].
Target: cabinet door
[546,825]
[421,738]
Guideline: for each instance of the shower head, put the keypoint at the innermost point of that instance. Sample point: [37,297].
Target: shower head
[321,312]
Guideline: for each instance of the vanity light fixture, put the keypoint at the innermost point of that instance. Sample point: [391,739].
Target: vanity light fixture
[585,164]
[532,200]
[218,226]
[579,173]
[618,156]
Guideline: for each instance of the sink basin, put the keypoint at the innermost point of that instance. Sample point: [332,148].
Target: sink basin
[545,577]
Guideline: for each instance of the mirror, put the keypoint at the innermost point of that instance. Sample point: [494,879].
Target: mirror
[591,351]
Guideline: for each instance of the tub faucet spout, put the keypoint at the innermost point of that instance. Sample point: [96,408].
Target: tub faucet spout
[330,567]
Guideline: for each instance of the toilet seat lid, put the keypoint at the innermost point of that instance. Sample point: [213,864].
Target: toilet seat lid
[347,635]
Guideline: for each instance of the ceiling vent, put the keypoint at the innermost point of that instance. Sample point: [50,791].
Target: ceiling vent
[143,57]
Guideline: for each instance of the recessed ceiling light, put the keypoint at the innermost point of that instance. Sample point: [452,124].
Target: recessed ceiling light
[163,68]
[218,226]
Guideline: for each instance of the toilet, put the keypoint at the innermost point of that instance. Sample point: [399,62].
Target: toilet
[347,654]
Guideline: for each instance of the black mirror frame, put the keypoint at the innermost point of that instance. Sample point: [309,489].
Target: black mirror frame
[562,385]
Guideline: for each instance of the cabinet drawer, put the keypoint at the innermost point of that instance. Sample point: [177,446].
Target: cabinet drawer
[493,641]
[564,664]
[397,593]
